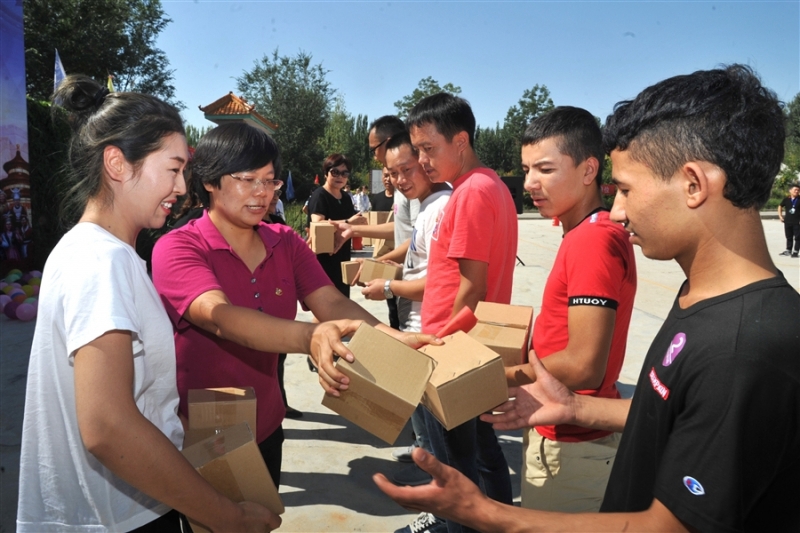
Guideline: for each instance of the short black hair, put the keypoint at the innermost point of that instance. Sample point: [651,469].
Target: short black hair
[231,147]
[387,126]
[575,132]
[724,116]
[396,141]
[449,114]
[334,160]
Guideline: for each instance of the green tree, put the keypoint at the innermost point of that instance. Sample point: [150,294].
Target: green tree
[495,148]
[347,135]
[426,87]
[295,94]
[98,38]
[194,134]
[534,102]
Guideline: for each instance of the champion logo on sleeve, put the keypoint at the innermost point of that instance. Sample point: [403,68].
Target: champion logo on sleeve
[693,485]
[675,348]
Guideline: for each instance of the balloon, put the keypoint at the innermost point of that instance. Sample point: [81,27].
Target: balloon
[3,285]
[16,285]
[36,273]
[35,281]
[28,290]
[10,310]
[30,300]
[26,312]
[8,288]
[15,271]
[19,297]
[4,299]
[35,290]
[11,278]
[26,278]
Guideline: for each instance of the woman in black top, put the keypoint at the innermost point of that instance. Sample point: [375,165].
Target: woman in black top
[329,202]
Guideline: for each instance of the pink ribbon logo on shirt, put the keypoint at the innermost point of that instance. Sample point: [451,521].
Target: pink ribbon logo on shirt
[678,342]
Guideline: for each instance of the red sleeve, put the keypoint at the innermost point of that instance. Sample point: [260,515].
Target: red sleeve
[475,223]
[181,272]
[597,263]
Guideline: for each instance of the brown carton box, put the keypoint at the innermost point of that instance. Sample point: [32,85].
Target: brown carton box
[387,380]
[468,380]
[349,271]
[211,410]
[382,246]
[231,462]
[322,236]
[375,270]
[505,329]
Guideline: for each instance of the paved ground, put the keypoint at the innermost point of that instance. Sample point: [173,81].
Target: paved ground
[328,462]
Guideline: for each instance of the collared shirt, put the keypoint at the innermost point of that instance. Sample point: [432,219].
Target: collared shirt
[195,259]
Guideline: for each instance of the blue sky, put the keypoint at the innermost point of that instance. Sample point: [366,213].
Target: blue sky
[588,54]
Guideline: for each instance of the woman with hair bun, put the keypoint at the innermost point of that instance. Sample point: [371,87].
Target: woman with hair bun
[231,284]
[101,434]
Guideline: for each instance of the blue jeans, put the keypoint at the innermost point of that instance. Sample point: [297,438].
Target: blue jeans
[472,449]
[420,431]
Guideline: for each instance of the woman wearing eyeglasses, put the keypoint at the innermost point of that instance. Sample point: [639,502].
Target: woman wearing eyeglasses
[231,283]
[330,202]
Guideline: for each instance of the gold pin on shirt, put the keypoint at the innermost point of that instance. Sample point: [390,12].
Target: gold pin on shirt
[278,291]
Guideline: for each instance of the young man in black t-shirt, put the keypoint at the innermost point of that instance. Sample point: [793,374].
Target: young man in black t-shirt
[789,213]
[711,437]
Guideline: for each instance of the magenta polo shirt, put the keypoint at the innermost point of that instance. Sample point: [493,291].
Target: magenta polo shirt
[196,258]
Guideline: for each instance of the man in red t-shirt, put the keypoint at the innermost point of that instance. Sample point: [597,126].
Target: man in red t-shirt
[471,259]
[581,331]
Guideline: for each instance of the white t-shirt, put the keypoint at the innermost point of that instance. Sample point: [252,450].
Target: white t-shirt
[416,263]
[93,283]
[405,214]
[279,210]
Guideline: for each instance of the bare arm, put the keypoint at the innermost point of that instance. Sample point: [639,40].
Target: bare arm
[547,401]
[473,284]
[451,495]
[213,312]
[115,432]
[373,231]
[582,364]
[398,255]
[408,289]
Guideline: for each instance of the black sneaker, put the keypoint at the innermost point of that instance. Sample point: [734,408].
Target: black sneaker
[425,523]
[411,476]
[795,255]
[786,252]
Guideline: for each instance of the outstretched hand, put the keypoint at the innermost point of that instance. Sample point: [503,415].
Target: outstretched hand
[544,402]
[326,341]
[450,495]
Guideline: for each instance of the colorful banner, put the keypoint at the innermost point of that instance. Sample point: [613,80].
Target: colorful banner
[16,234]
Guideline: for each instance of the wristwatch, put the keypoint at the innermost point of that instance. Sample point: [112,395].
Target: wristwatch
[387,292]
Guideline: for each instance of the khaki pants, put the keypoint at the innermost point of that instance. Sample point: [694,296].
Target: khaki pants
[566,476]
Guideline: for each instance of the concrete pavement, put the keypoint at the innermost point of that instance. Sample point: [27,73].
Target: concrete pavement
[327,461]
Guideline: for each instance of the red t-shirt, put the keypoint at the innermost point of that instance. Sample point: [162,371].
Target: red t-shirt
[595,265]
[195,259]
[479,223]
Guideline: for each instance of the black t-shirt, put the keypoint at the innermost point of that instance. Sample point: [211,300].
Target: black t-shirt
[714,427]
[791,210]
[323,203]
[381,202]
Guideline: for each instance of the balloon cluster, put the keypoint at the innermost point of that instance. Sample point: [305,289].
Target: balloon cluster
[19,294]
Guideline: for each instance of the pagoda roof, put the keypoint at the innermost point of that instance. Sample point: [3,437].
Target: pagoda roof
[232,107]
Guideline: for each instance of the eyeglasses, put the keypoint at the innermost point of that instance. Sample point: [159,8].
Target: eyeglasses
[336,173]
[270,185]
[373,148]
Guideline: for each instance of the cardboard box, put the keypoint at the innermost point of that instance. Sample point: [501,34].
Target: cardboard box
[212,410]
[505,329]
[231,462]
[322,236]
[469,380]
[349,271]
[382,246]
[387,381]
[375,270]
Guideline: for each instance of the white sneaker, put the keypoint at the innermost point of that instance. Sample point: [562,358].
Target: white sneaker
[404,454]
[424,523]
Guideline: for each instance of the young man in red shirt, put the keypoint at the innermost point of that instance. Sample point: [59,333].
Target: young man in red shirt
[580,334]
[471,259]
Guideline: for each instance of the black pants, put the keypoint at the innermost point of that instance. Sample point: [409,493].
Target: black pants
[792,232]
[271,450]
[394,318]
[168,523]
